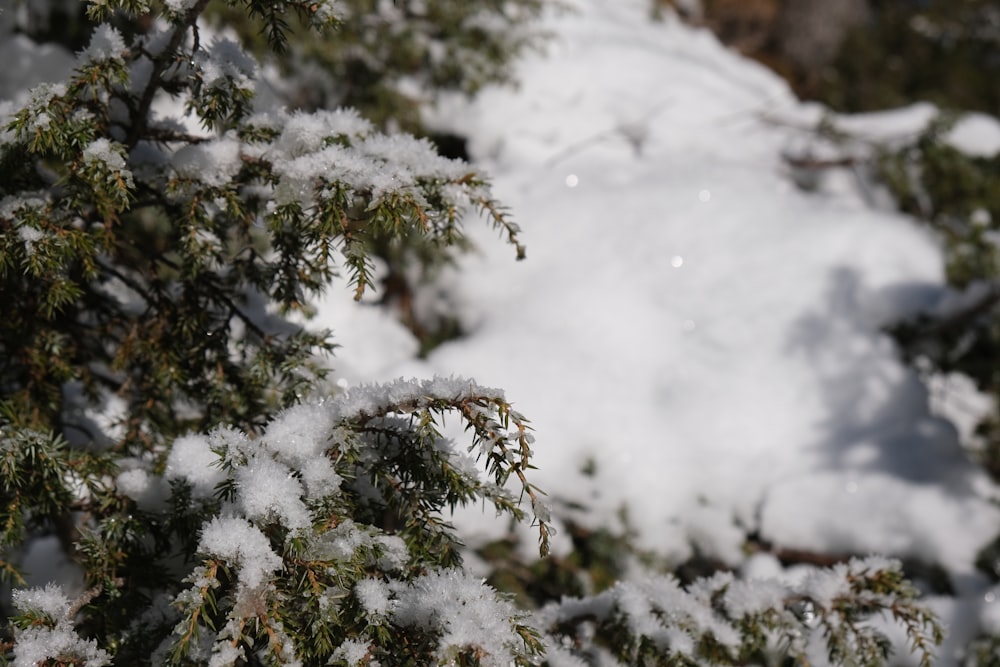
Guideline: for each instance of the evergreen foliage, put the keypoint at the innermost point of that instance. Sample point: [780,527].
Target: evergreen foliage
[724,621]
[942,51]
[958,196]
[155,409]
[391,58]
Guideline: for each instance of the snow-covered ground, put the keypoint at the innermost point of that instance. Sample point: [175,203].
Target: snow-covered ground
[690,320]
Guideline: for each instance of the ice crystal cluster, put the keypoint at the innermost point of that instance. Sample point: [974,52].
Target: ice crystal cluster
[162,426]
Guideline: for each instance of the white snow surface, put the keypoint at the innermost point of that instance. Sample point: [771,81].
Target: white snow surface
[687,318]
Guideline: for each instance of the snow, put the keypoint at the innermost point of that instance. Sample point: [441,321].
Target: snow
[50,600]
[343,542]
[304,133]
[214,162]
[225,655]
[179,6]
[464,609]
[300,437]
[30,236]
[134,483]
[878,512]
[28,64]
[39,100]
[54,637]
[704,331]
[351,651]
[224,61]
[743,598]
[901,123]
[101,150]
[192,459]
[976,134]
[243,545]
[105,44]
[104,155]
[374,596]
[309,154]
[36,645]
[268,491]
[325,12]
[689,319]
[990,612]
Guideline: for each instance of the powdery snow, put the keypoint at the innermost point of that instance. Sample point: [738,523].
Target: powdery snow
[268,491]
[976,134]
[241,544]
[464,610]
[214,162]
[50,600]
[351,651]
[374,596]
[705,332]
[192,459]
[35,644]
[105,44]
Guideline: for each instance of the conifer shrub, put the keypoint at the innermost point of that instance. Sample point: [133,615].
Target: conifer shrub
[390,61]
[392,58]
[955,193]
[162,414]
[941,51]
[958,196]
